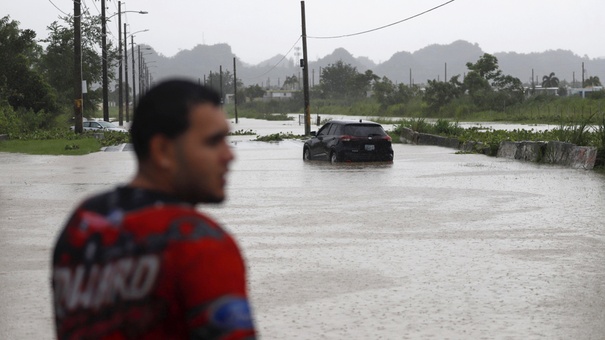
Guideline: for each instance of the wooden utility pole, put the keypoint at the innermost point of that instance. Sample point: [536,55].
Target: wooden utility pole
[235,89]
[533,85]
[305,65]
[221,83]
[134,84]
[140,61]
[104,62]
[126,74]
[445,79]
[120,85]
[78,102]
[583,75]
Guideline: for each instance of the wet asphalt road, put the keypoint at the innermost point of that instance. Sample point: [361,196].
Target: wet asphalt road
[435,245]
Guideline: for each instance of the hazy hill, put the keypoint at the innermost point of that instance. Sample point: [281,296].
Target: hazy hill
[430,62]
[426,63]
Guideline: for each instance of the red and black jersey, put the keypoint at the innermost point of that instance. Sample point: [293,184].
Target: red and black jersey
[133,263]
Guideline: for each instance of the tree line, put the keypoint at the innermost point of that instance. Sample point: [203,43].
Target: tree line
[36,83]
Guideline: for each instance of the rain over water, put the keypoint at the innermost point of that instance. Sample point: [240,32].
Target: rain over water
[434,245]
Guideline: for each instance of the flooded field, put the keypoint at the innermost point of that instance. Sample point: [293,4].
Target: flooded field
[435,245]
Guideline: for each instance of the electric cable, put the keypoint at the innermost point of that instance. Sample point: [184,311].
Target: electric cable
[382,27]
[279,62]
[51,1]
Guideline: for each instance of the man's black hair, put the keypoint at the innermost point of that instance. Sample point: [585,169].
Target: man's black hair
[164,109]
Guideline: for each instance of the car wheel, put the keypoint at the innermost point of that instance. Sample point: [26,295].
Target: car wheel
[306,154]
[333,158]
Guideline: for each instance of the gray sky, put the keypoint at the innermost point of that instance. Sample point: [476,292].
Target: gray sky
[258,30]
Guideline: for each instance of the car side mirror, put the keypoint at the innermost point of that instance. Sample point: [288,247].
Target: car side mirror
[313,133]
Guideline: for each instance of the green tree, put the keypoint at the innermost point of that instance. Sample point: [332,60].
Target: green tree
[592,81]
[509,91]
[254,91]
[21,83]
[550,80]
[343,81]
[386,93]
[488,87]
[214,80]
[438,93]
[291,83]
[58,61]
[487,67]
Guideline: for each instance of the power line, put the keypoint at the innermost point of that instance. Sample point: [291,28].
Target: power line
[94,3]
[385,26]
[279,62]
[51,1]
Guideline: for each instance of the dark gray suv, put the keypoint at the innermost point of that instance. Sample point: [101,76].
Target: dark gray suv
[349,141]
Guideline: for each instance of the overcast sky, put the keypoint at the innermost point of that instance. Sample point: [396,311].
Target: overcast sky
[258,30]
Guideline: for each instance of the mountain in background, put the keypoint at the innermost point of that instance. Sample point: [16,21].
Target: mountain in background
[425,64]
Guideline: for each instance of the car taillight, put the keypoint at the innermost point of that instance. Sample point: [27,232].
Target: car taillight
[346,138]
[387,137]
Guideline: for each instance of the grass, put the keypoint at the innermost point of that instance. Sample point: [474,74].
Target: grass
[52,146]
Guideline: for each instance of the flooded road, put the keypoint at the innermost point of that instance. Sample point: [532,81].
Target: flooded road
[435,245]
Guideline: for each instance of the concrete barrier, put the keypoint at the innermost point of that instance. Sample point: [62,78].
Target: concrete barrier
[583,157]
[558,153]
[426,139]
[553,152]
[508,150]
[531,151]
[408,136]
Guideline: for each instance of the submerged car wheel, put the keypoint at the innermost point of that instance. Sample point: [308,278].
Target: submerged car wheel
[306,154]
[333,157]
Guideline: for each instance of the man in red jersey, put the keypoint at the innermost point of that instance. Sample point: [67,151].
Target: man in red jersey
[139,261]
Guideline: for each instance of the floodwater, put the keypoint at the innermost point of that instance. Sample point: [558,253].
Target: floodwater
[435,245]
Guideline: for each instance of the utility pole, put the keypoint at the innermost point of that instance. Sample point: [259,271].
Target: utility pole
[305,66]
[104,61]
[445,79]
[78,102]
[140,70]
[235,88]
[533,85]
[221,82]
[134,84]
[583,74]
[410,77]
[126,73]
[120,88]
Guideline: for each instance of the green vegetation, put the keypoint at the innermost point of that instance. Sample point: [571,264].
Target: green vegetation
[61,142]
[587,132]
[278,137]
[242,132]
[52,147]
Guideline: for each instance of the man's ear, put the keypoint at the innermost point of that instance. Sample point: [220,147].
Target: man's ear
[162,152]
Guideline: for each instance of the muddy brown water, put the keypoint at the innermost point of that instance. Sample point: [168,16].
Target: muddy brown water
[435,245]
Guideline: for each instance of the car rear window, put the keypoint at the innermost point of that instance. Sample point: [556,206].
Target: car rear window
[363,130]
